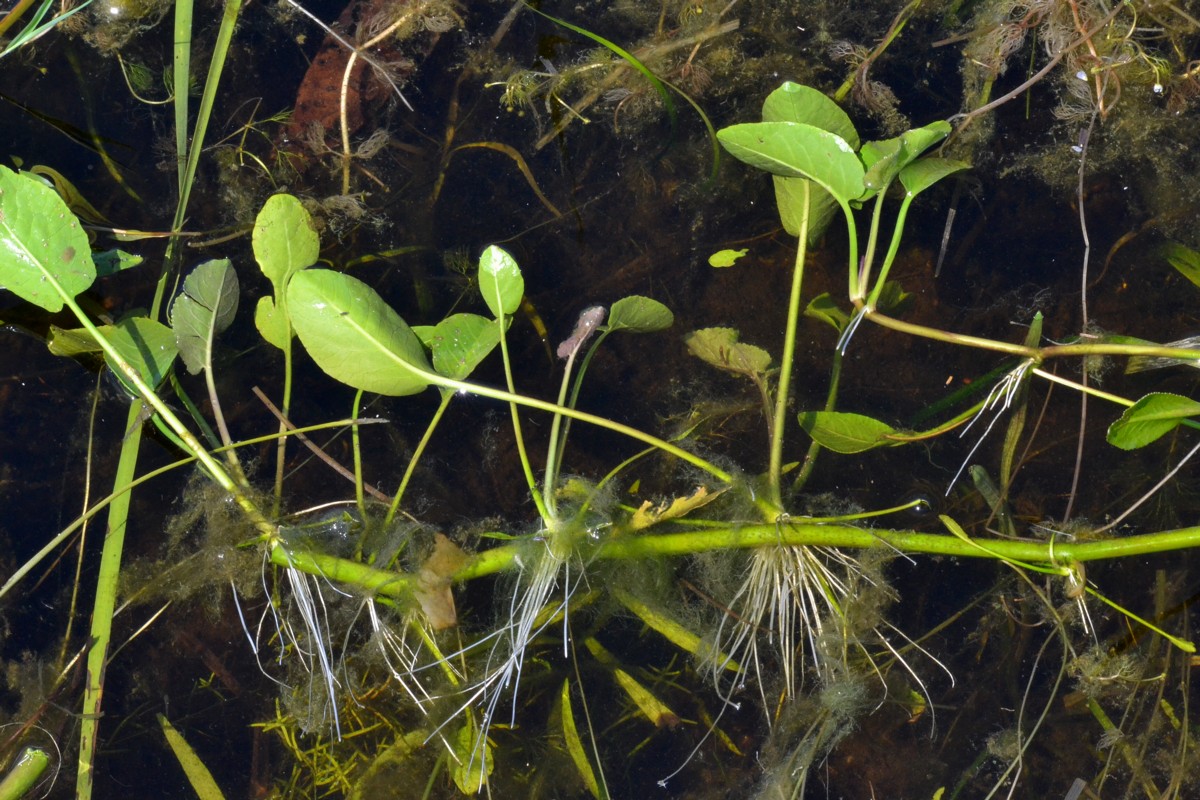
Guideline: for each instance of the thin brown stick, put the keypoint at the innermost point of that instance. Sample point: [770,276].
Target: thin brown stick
[317,451]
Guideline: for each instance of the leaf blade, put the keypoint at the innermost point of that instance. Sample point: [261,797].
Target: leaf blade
[1150,418]
[638,314]
[798,150]
[846,433]
[354,336]
[500,281]
[284,240]
[39,239]
[205,307]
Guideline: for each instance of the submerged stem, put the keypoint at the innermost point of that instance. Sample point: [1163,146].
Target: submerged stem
[775,471]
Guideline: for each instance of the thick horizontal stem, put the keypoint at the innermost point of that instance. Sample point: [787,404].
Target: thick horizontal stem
[793,533]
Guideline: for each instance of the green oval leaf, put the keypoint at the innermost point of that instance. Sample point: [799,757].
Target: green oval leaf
[1149,418]
[500,281]
[638,314]
[39,239]
[798,150]
[843,432]
[284,239]
[206,307]
[793,102]
[353,335]
[460,342]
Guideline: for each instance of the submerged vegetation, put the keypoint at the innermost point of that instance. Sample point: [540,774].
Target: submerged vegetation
[637,484]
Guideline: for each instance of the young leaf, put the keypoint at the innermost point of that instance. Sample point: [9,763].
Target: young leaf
[886,159]
[843,432]
[923,173]
[206,307]
[638,314]
[39,239]
[721,348]
[1149,418]
[460,342]
[823,308]
[793,102]
[284,240]
[353,335]
[500,282]
[797,150]
[110,262]
[892,298]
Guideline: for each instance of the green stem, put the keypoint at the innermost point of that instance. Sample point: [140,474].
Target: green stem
[356,447]
[24,773]
[1037,354]
[893,248]
[814,447]
[515,400]
[105,602]
[553,454]
[864,269]
[149,396]
[800,533]
[285,410]
[511,397]
[852,242]
[783,389]
[181,73]
[416,456]
[395,585]
[794,533]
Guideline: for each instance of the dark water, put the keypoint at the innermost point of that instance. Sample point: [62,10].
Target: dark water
[639,216]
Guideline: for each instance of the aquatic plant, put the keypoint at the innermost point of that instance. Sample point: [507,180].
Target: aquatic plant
[356,610]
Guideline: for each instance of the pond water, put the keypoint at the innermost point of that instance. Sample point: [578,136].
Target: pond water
[894,676]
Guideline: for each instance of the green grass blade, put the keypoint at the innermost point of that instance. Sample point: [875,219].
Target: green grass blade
[198,776]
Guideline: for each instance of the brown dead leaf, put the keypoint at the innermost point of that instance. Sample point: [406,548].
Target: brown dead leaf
[433,582]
